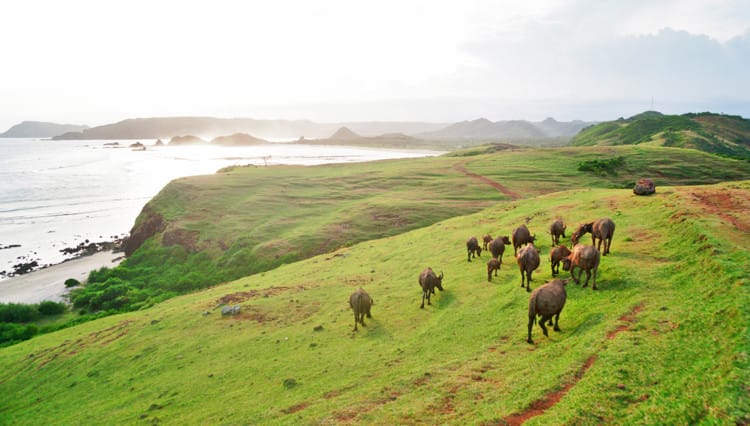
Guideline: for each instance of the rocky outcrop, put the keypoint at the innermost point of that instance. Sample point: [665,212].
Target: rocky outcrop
[238,139]
[644,186]
[149,223]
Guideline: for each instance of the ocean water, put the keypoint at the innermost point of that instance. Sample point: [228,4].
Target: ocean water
[57,194]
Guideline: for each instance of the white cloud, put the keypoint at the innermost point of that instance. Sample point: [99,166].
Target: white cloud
[94,62]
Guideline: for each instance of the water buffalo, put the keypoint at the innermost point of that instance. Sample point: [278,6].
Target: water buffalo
[472,247]
[492,265]
[521,236]
[486,240]
[360,302]
[428,281]
[556,230]
[556,256]
[528,261]
[547,301]
[600,229]
[585,258]
[497,247]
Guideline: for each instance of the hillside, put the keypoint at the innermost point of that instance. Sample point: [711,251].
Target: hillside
[726,135]
[238,139]
[166,127]
[203,230]
[40,129]
[514,130]
[659,343]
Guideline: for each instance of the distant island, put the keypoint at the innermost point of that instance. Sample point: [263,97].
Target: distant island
[238,139]
[40,129]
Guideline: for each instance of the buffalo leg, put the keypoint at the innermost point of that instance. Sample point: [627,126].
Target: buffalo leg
[355,321]
[594,285]
[531,323]
[422,307]
[541,324]
[528,280]
[588,276]
[557,319]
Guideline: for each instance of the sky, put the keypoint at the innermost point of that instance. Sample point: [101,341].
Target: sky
[96,62]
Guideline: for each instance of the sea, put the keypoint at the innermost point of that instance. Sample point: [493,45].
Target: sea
[59,194]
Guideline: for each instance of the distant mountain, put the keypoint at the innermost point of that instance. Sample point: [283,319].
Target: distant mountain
[166,127]
[186,140]
[727,135]
[40,129]
[510,129]
[344,133]
[238,139]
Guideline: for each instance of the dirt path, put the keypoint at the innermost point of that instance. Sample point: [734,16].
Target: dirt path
[512,194]
[540,406]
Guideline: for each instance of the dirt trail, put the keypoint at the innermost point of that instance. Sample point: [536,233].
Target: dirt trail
[540,406]
[512,194]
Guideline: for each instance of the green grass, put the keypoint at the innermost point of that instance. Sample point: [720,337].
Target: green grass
[682,359]
[252,219]
[725,135]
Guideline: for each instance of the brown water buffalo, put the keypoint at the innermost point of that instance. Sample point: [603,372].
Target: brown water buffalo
[556,230]
[585,258]
[428,281]
[521,236]
[485,241]
[556,256]
[528,261]
[600,229]
[547,301]
[497,247]
[472,248]
[492,265]
[361,303]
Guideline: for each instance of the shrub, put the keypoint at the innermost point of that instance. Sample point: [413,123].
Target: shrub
[72,282]
[610,165]
[18,312]
[52,308]
[11,333]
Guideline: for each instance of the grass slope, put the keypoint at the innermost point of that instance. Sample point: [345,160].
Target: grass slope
[663,342]
[720,134]
[247,220]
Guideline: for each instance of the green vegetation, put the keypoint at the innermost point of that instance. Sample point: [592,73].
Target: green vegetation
[608,166]
[72,282]
[248,220]
[725,135]
[663,342]
[17,319]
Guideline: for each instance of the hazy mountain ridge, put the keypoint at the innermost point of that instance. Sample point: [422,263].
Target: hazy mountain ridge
[721,134]
[167,127]
[508,129]
[40,129]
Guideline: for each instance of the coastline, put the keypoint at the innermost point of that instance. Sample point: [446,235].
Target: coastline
[49,283]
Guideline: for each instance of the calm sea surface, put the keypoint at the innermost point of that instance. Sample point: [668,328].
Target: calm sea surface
[57,194]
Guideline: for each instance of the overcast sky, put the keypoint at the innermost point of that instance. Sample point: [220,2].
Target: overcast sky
[94,62]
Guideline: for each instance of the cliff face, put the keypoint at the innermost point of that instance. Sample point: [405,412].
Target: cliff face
[149,224]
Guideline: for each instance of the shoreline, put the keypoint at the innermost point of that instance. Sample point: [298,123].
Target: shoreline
[49,283]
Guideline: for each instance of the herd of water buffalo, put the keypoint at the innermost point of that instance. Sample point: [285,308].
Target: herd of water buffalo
[546,301]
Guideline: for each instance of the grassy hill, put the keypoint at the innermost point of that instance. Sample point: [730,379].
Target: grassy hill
[726,135]
[664,340]
[205,230]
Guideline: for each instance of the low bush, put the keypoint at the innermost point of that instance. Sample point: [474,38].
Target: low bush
[52,308]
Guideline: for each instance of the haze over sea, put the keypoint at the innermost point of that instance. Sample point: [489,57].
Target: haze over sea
[57,194]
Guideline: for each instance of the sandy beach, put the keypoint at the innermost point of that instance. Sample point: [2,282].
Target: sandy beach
[49,283]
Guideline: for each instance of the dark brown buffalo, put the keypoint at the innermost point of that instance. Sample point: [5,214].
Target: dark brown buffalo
[492,265]
[556,256]
[361,303]
[586,258]
[557,230]
[521,236]
[600,229]
[528,261]
[472,247]
[486,240]
[497,247]
[429,281]
[547,301]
